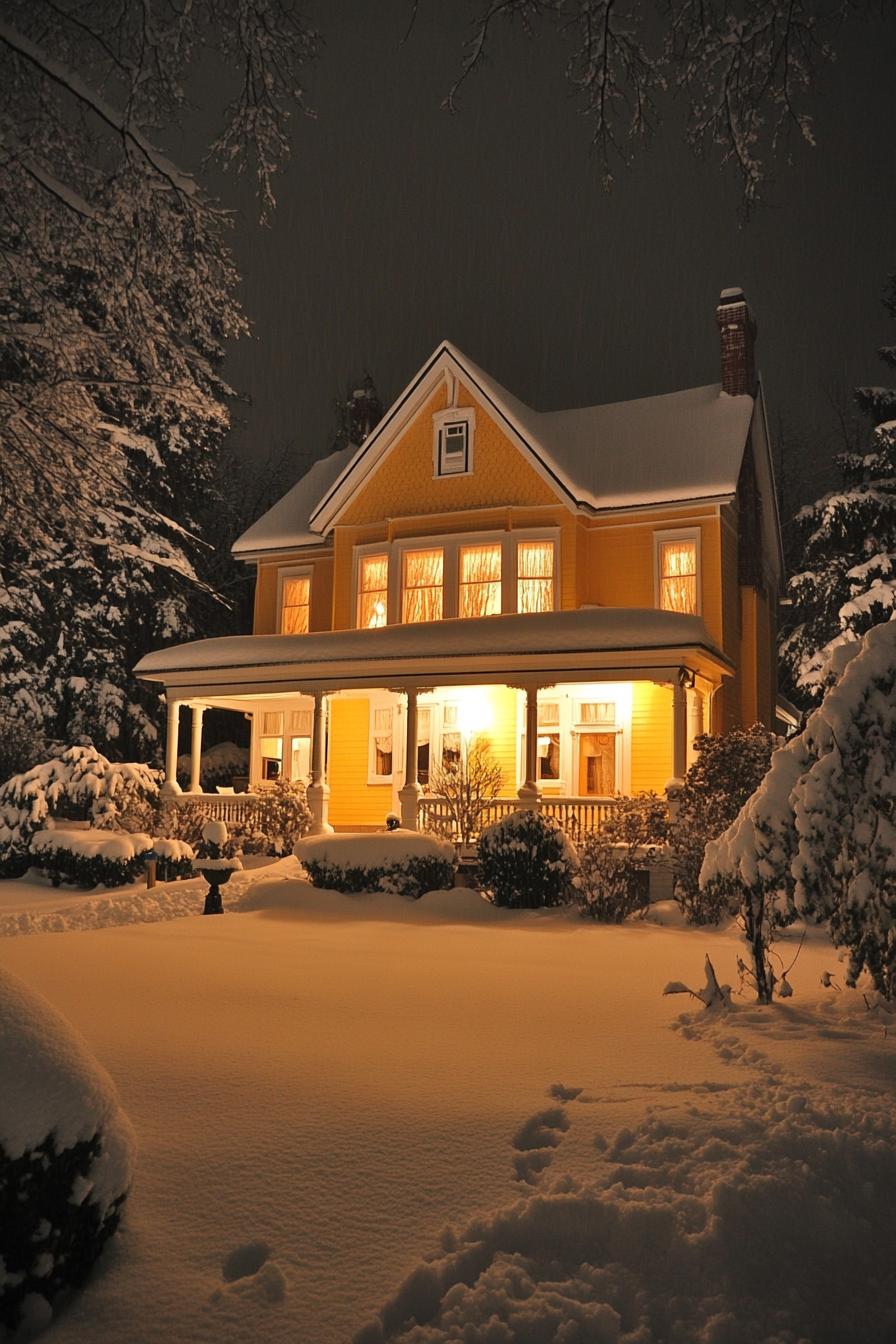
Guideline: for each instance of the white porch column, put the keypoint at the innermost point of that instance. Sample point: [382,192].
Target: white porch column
[530,792]
[319,789]
[679,733]
[171,788]
[695,721]
[195,748]
[409,795]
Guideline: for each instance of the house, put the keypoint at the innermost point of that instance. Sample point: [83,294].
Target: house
[590,589]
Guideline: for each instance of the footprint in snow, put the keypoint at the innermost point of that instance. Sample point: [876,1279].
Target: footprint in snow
[248,1272]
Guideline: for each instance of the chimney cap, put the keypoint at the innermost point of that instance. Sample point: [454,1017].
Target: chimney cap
[733,295]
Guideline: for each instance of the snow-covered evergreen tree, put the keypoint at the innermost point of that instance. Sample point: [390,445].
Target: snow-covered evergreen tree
[847,575]
[117,295]
[358,414]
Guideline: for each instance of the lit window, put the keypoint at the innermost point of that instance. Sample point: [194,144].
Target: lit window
[480,580]
[422,593]
[451,743]
[597,711]
[424,722]
[373,591]
[678,576]
[295,605]
[271,744]
[535,576]
[549,740]
[382,742]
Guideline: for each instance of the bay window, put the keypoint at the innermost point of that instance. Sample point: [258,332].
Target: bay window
[422,590]
[535,576]
[373,591]
[479,591]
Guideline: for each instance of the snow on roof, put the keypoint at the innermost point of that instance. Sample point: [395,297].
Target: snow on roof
[286,522]
[678,446]
[589,629]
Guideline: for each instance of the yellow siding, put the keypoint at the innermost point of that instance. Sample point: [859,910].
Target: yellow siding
[651,736]
[403,483]
[266,620]
[502,733]
[353,802]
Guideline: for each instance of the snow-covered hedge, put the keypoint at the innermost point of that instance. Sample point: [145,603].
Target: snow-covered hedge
[405,862]
[66,1158]
[819,835]
[89,857]
[80,778]
[613,880]
[526,861]
[175,859]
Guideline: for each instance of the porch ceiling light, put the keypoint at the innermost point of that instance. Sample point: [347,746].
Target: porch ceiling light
[474,713]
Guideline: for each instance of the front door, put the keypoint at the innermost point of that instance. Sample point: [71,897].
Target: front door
[597,764]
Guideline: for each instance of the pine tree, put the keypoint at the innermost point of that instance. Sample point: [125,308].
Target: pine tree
[847,539]
[358,414]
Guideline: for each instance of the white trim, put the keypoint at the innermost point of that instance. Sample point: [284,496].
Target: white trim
[294,572]
[678,534]
[441,420]
[358,554]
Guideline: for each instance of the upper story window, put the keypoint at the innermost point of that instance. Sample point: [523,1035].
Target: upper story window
[453,441]
[479,591]
[295,604]
[422,590]
[373,591]
[677,571]
[535,576]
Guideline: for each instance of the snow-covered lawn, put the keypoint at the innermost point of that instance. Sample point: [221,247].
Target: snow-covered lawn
[321,1085]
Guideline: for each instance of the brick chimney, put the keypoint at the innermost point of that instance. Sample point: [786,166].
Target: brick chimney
[737,330]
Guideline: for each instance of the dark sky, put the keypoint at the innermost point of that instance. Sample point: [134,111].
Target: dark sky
[398,225]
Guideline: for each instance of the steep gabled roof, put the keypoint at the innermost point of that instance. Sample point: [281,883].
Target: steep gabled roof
[655,450]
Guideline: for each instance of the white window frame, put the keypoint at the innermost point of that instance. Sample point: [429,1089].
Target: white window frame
[383,700]
[294,572]
[360,552]
[454,415]
[677,534]
[450,543]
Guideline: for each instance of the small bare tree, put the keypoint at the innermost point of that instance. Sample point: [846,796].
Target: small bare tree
[468,784]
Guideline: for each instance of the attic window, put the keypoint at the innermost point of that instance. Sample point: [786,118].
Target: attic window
[453,442]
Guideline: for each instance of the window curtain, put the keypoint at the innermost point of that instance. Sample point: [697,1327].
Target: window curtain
[548,713]
[382,740]
[535,576]
[272,722]
[597,711]
[296,596]
[373,597]
[422,597]
[424,721]
[678,576]
[300,723]
[480,580]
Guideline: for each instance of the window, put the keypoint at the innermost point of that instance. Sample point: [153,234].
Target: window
[382,742]
[373,591]
[549,740]
[453,441]
[451,740]
[271,744]
[422,593]
[677,573]
[424,732]
[597,711]
[300,723]
[535,576]
[295,604]
[480,580]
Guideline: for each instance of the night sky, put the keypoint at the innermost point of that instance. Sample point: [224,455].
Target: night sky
[398,225]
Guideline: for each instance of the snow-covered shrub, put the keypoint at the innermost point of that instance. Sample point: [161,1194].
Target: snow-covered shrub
[217,765]
[90,857]
[182,821]
[79,780]
[276,819]
[727,770]
[22,743]
[174,859]
[66,1158]
[613,880]
[819,835]
[526,861]
[404,862]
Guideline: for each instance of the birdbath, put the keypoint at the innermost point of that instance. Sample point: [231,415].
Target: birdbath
[214,865]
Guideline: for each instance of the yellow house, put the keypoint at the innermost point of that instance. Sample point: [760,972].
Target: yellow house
[587,589]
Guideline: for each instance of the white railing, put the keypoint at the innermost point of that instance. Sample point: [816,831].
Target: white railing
[577,816]
[233,809]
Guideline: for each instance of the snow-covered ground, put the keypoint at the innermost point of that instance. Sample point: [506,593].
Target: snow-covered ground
[322,1084]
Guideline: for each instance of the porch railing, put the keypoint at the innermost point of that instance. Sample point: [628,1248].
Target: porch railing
[233,809]
[577,816]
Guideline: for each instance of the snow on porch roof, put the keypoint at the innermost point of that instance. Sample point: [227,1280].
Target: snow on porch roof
[437,646]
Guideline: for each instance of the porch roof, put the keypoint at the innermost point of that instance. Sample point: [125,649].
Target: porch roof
[545,646]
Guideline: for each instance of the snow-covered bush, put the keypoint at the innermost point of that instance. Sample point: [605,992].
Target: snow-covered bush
[404,862]
[22,742]
[727,770]
[81,781]
[217,765]
[613,880]
[183,821]
[66,1158]
[819,835]
[278,817]
[90,857]
[175,859]
[526,861]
